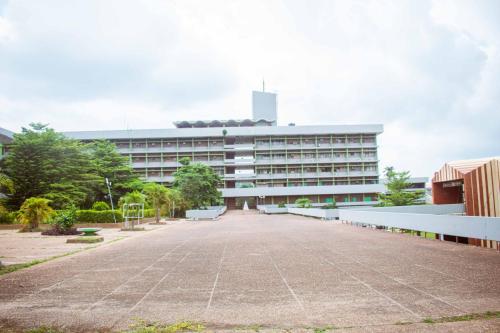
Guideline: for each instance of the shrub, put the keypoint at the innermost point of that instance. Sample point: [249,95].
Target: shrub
[98,216]
[34,211]
[330,205]
[7,217]
[303,203]
[64,220]
[149,212]
[100,205]
[281,205]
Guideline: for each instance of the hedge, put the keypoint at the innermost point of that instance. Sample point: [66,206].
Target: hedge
[105,216]
[98,216]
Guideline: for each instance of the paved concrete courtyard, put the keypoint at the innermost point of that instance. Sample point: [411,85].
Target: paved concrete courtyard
[278,272]
[18,248]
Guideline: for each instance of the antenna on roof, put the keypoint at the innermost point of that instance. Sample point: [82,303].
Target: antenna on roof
[263,85]
[126,120]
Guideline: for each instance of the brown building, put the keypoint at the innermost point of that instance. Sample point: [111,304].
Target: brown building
[475,183]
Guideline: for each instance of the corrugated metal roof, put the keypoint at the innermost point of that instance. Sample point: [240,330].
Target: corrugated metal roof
[220,123]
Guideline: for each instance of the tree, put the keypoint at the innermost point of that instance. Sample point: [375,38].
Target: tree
[156,194]
[108,163]
[175,202]
[34,211]
[136,185]
[397,190]
[132,197]
[6,184]
[43,163]
[100,205]
[197,183]
[6,188]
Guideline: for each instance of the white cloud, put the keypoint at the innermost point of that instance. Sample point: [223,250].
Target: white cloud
[6,31]
[428,70]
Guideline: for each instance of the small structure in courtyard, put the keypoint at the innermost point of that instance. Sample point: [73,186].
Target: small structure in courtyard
[132,213]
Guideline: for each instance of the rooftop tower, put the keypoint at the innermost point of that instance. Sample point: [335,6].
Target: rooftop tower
[264,106]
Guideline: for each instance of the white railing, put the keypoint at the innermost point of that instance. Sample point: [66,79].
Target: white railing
[422,209]
[417,209]
[272,209]
[462,226]
[211,213]
[325,214]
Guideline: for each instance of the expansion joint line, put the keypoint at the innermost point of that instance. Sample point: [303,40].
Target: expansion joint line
[390,299]
[120,318]
[135,276]
[164,277]
[401,283]
[216,277]
[72,277]
[285,282]
[159,282]
[445,274]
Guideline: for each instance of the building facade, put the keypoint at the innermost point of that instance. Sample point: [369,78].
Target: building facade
[6,137]
[476,184]
[258,161]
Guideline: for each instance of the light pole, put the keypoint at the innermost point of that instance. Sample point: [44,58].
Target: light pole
[108,184]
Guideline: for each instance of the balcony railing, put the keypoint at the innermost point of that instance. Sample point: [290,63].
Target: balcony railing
[239,175]
[239,146]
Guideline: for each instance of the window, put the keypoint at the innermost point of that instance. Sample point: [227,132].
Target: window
[154,144]
[139,144]
[154,158]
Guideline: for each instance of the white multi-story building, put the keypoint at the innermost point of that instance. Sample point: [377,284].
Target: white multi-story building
[259,161]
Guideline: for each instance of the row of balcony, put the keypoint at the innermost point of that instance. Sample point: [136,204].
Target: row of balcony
[318,174]
[316,145]
[241,176]
[243,147]
[284,184]
[317,160]
[236,162]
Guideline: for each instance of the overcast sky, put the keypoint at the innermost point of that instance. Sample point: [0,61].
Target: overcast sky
[428,70]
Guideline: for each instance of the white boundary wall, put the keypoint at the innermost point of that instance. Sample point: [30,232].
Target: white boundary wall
[418,209]
[211,212]
[325,214]
[328,214]
[462,226]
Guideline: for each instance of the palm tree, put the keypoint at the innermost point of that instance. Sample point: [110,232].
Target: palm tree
[132,197]
[34,211]
[156,194]
[174,202]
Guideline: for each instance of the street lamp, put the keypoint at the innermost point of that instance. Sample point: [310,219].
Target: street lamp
[108,184]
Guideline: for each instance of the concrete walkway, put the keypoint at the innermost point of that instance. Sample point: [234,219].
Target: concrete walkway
[245,269]
[18,248]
